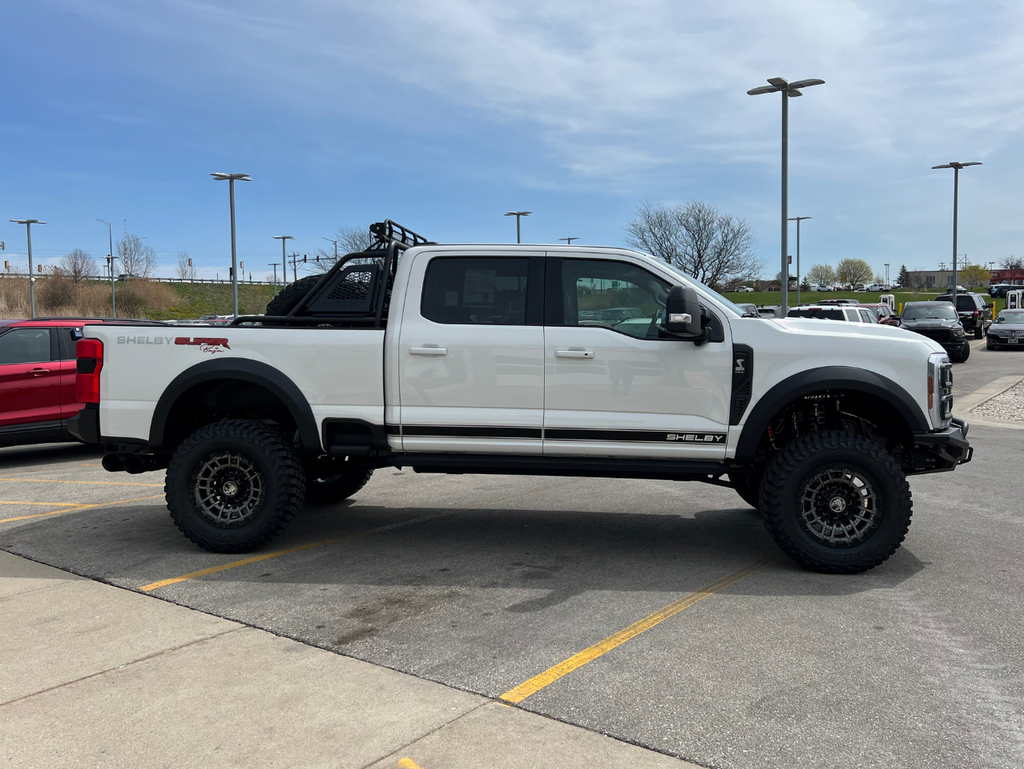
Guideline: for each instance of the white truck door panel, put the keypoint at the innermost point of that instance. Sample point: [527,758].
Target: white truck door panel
[471,371]
[614,388]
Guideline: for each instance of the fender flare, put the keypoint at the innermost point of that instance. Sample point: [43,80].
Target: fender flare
[245,370]
[825,378]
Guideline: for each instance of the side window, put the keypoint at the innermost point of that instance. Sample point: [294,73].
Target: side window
[473,290]
[25,345]
[615,295]
[865,316]
[68,338]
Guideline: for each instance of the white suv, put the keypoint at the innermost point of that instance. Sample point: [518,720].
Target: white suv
[851,313]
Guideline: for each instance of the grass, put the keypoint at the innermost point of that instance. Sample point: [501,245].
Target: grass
[809,297]
[198,299]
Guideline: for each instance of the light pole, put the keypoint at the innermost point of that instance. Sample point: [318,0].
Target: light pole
[31,276]
[797,219]
[220,176]
[568,241]
[284,257]
[110,264]
[957,167]
[787,89]
[335,248]
[887,284]
[518,215]
[274,265]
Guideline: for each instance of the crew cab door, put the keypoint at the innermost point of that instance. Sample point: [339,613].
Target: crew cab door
[29,381]
[616,384]
[471,354]
[67,338]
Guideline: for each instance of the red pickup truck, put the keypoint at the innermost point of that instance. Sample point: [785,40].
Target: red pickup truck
[37,379]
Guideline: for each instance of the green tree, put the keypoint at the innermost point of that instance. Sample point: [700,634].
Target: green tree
[822,275]
[853,271]
[974,275]
[904,277]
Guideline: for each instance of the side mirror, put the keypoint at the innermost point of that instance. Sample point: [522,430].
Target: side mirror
[682,314]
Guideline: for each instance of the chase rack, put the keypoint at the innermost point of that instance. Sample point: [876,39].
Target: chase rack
[356,290]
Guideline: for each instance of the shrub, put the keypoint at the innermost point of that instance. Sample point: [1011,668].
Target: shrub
[56,294]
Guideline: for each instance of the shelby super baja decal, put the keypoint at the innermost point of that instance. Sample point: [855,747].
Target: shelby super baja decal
[206,344]
[696,437]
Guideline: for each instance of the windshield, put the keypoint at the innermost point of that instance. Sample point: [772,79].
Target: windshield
[929,312]
[817,312]
[690,279]
[1011,316]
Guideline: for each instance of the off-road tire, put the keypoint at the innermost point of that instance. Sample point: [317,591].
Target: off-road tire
[795,472]
[289,296]
[269,474]
[961,357]
[328,488]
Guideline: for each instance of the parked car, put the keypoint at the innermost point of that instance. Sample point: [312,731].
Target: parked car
[1007,329]
[745,290]
[749,308]
[37,379]
[938,321]
[883,313]
[820,288]
[833,312]
[838,301]
[770,311]
[998,291]
[128,276]
[876,288]
[975,313]
[467,369]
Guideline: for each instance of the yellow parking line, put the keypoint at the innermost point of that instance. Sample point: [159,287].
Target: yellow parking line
[407,763]
[322,543]
[48,504]
[549,676]
[87,483]
[78,507]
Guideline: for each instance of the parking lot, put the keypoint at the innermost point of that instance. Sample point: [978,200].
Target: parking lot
[521,588]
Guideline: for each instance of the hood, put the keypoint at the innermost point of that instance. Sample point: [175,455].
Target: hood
[823,330]
[932,323]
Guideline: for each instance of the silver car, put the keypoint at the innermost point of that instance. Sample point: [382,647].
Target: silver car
[1006,330]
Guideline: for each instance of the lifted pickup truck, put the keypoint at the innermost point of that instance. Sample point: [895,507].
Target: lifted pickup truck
[497,359]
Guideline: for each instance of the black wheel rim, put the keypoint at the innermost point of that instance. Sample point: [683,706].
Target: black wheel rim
[228,489]
[839,507]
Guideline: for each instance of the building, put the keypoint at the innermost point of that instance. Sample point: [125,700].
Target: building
[1016,277]
[939,280]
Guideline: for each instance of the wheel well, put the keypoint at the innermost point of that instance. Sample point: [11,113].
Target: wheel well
[216,399]
[852,411]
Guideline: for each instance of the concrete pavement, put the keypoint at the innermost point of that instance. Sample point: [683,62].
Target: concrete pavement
[94,675]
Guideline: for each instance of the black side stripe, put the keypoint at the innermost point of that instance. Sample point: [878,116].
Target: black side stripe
[472,432]
[561,434]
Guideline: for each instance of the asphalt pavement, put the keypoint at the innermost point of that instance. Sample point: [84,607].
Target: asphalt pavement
[658,613]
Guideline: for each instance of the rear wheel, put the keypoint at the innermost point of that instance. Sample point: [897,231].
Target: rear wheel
[836,503]
[233,485]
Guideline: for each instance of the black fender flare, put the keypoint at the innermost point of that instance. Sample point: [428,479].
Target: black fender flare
[248,371]
[825,378]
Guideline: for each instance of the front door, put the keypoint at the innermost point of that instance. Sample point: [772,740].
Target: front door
[29,380]
[616,383]
[471,355]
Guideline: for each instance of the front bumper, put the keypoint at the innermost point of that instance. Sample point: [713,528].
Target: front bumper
[940,451]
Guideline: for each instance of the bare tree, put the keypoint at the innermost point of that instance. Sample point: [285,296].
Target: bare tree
[713,247]
[853,271]
[136,257]
[185,269]
[1015,265]
[77,266]
[351,240]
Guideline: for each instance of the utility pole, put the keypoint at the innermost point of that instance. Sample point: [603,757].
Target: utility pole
[110,264]
[295,265]
[31,277]
[335,248]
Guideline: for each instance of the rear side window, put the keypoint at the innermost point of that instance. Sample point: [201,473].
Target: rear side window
[25,345]
[867,317]
[965,303]
[476,290]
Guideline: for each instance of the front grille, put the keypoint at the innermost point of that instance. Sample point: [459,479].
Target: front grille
[940,335]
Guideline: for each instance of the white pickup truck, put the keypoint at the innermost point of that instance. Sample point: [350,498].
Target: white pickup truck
[535,360]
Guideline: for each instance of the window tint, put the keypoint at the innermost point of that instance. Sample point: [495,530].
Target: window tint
[476,290]
[68,338]
[867,317]
[965,302]
[614,295]
[25,345]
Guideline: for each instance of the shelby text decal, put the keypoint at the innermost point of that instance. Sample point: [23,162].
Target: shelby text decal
[206,344]
[697,437]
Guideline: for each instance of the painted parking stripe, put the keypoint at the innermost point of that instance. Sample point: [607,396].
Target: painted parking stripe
[77,508]
[552,674]
[43,504]
[85,483]
[324,542]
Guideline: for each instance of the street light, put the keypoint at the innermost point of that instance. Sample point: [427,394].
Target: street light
[787,89]
[796,219]
[568,241]
[31,276]
[335,248]
[220,176]
[518,215]
[284,257]
[110,264]
[957,167]
[887,284]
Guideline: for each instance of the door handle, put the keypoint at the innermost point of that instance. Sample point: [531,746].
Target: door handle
[40,371]
[428,349]
[574,353]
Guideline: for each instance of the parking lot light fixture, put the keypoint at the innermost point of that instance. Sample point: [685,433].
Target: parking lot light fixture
[957,168]
[797,219]
[284,257]
[110,264]
[31,275]
[220,176]
[518,215]
[787,89]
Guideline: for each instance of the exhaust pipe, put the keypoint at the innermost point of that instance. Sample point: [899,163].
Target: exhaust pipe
[134,464]
[112,463]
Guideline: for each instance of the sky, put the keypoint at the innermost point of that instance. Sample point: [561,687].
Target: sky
[445,114]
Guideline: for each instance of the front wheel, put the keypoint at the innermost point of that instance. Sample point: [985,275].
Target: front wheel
[962,356]
[836,503]
[233,485]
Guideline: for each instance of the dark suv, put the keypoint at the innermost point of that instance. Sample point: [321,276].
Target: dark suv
[938,321]
[975,313]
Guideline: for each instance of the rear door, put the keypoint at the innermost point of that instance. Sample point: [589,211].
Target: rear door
[471,354]
[29,379]
[67,338]
[623,387]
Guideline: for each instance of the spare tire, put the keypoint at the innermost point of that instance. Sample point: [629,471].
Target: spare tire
[289,296]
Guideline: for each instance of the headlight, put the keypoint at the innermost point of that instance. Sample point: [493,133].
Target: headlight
[940,390]
[958,332]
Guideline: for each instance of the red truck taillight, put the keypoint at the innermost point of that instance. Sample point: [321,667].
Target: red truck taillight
[87,378]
